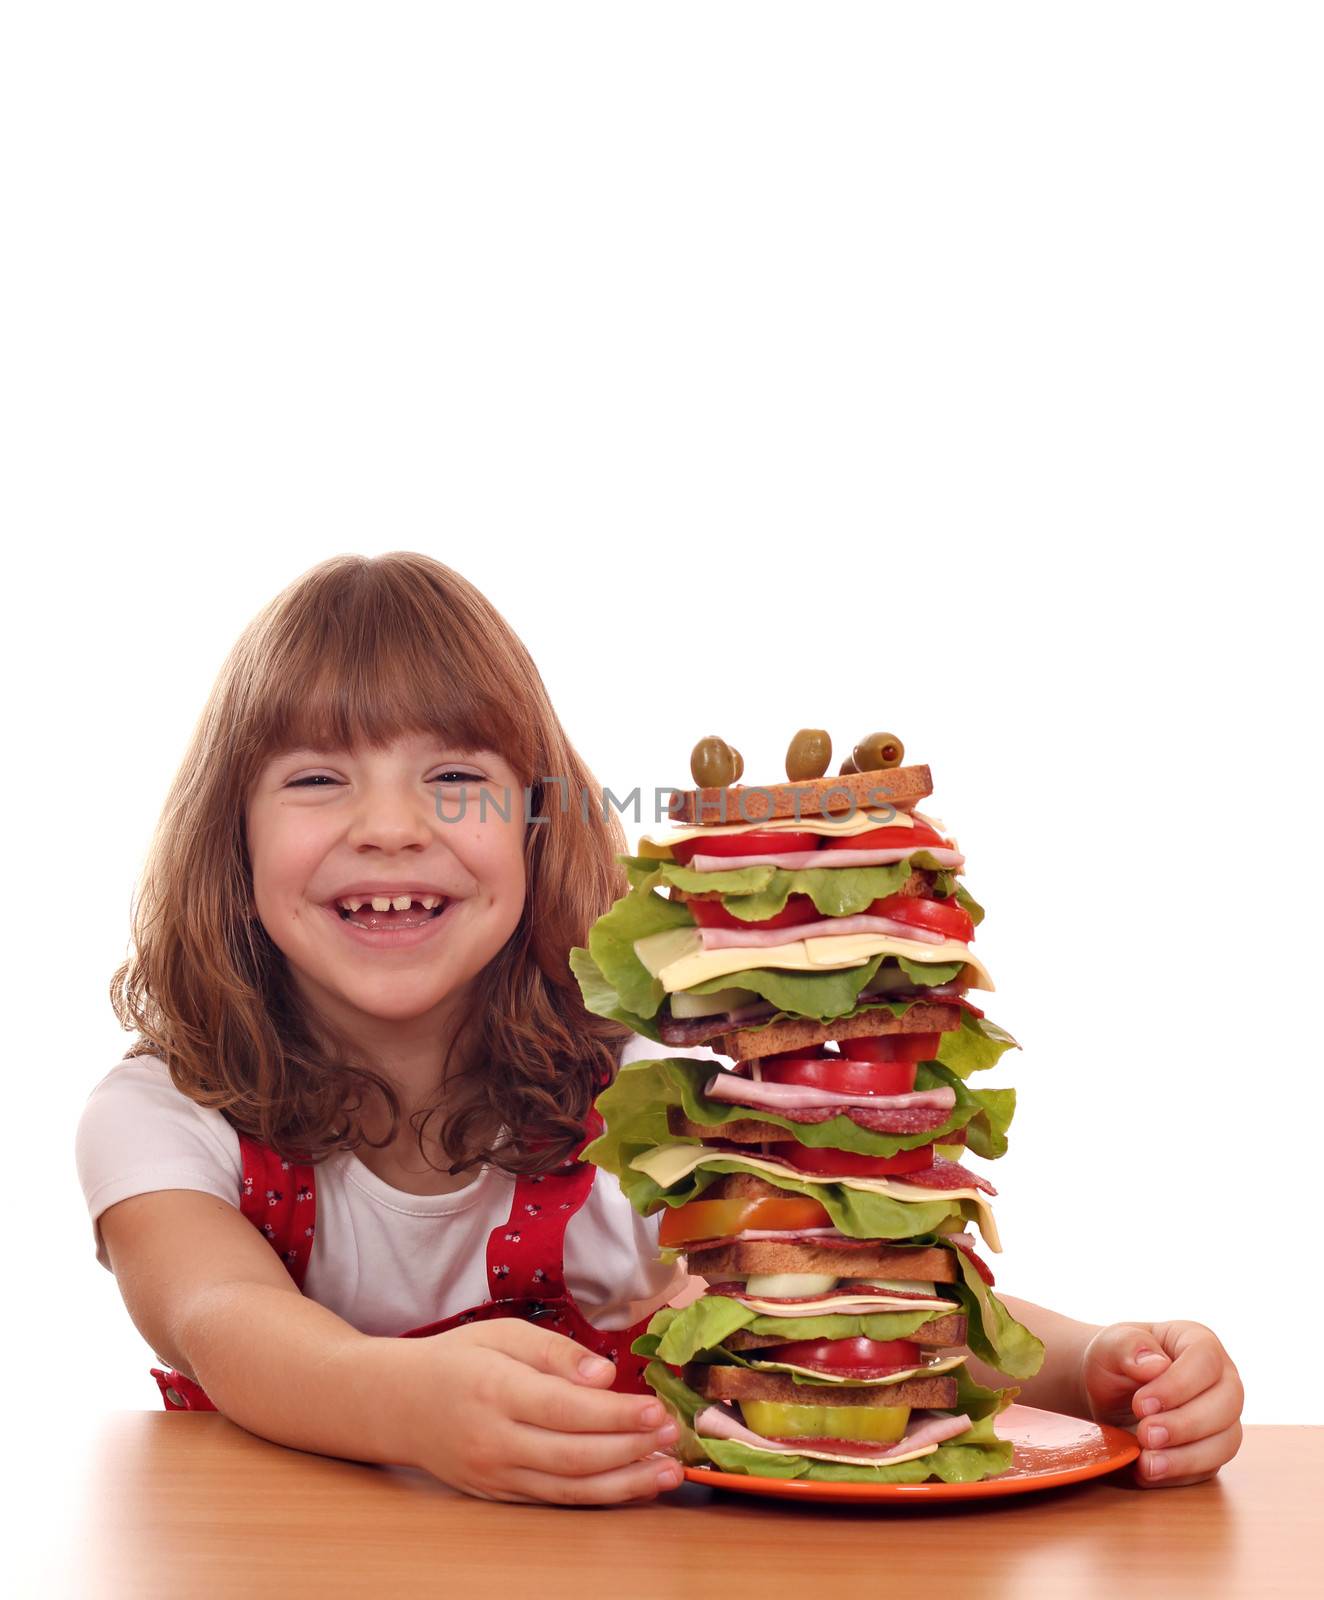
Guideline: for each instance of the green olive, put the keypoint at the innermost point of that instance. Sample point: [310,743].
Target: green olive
[740,764]
[878,752]
[847,766]
[808,754]
[713,763]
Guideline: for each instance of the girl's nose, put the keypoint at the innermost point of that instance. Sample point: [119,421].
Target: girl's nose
[392,819]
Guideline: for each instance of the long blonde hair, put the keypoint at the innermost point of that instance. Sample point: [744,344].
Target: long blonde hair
[358,652]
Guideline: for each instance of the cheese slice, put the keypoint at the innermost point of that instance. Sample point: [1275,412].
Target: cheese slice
[667,1164]
[677,959]
[930,1370]
[657,846]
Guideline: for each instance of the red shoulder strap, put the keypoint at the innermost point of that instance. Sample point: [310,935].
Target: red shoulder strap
[524,1253]
[279,1198]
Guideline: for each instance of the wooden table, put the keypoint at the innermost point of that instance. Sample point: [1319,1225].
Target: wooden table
[178,1505]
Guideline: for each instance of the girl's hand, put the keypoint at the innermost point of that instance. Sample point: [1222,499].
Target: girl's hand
[1177,1379]
[502,1410]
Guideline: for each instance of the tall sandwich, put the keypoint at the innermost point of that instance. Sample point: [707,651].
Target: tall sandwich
[817,934]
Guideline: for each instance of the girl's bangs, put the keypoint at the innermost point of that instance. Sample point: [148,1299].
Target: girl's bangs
[351,689]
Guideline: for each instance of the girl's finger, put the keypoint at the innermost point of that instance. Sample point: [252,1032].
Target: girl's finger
[581,1455]
[549,1351]
[1199,1364]
[1209,1413]
[1127,1351]
[544,1401]
[641,1481]
[1188,1463]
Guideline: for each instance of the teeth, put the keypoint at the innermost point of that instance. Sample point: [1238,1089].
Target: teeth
[386,902]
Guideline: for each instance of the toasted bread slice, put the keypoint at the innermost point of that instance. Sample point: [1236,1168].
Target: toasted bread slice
[930,1264]
[748,1044]
[739,1383]
[940,1333]
[902,787]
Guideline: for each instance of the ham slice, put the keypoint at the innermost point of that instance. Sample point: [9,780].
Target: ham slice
[793,860]
[741,1091]
[756,938]
[927,1430]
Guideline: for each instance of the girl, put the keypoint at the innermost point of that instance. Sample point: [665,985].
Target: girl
[363,1072]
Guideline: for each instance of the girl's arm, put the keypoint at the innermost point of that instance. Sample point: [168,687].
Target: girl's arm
[1059,1385]
[500,1409]
[1174,1379]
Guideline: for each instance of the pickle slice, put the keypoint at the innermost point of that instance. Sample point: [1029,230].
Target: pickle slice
[869,1424]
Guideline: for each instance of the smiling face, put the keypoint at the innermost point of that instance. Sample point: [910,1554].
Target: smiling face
[330,833]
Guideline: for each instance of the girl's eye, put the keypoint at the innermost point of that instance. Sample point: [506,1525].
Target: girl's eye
[449,775]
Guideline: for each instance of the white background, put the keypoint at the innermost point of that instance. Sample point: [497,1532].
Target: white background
[954,372]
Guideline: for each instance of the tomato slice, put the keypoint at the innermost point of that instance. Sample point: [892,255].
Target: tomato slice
[939,916]
[843,1353]
[893,1047]
[719,1219]
[761,842]
[839,1074]
[850,1163]
[889,838]
[713,914]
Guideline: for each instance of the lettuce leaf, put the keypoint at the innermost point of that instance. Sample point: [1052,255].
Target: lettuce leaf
[974,1046]
[969,904]
[652,1086]
[611,942]
[755,893]
[686,1333]
[639,995]
[993,1333]
[977,1453]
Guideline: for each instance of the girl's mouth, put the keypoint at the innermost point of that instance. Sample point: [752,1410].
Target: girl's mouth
[389,914]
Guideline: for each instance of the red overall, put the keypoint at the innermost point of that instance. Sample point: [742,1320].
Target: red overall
[524,1259]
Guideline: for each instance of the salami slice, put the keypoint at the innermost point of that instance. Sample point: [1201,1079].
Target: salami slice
[945,1174]
[968,1251]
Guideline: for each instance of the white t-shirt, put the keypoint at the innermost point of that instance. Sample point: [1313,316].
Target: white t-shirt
[383,1260]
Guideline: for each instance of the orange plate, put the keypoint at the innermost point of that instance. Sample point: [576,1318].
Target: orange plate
[1051,1450]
